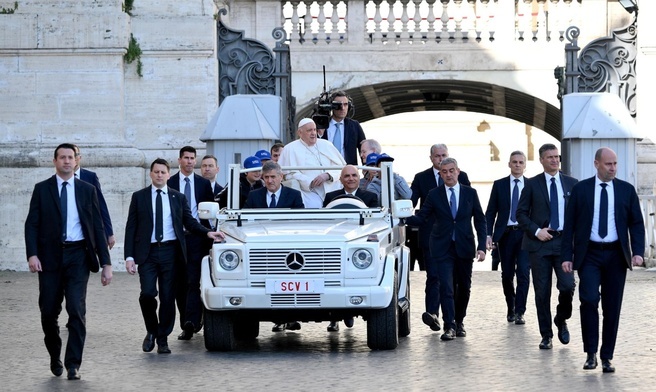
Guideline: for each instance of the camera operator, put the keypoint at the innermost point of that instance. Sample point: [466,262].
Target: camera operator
[344,133]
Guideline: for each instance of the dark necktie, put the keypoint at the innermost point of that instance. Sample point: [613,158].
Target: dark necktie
[63,200]
[514,201]
[338,136]
[187,191]
[273,201]
[454,210]
[603,211]
[553,205]
[159,217]
[439,180]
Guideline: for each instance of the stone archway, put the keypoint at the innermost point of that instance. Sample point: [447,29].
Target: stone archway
[384,99]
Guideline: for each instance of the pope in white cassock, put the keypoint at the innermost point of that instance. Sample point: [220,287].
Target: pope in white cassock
[310,150]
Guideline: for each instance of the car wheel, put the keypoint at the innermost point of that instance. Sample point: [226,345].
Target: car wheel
[404,316]
[219,332]
[383,324]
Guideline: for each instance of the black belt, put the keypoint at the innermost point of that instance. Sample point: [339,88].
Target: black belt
[604,245]
[513,227]
[164,243]
[555,233]
[72,244]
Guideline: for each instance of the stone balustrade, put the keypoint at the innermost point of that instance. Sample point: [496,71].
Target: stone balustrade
[407,22]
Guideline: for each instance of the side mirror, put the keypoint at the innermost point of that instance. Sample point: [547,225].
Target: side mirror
[402,208]
[208,210]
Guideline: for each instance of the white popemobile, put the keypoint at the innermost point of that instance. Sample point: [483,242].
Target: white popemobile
[308,265]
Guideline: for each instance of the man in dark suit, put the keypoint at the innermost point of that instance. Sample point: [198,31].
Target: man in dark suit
[344,133]
[92,178]
[350,179]
[273,194]
[422,184]
[155,239]
[196,190]
[541,214]
[209,168]
[65,240]
[604,235]
[504,233]
[452,207]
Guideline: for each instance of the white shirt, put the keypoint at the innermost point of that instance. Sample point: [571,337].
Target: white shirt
[520,187]
[192,201]
[332,130]
[277,193]
[612,229]
[167,219]
[73,225]
[561,198]
[456,190]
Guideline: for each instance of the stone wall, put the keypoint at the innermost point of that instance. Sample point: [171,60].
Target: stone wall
[64,80]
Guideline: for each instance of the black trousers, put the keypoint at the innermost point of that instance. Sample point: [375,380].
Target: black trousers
[158,271]
[455,276]
[187,294]
[603,269]
[543,265]
[514,263]
[70,282]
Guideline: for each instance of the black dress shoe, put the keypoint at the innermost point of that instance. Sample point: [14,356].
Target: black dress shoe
[449,334]
[510,317]
[187,331]
[333,326]
[460,330]
[545,344]
[563,332]
[295,326]
[56,366]
[348,322]
[431,320]
[590,362]
[279,327]
[606,366]
[519,319]
[163,348]
[148,343]
[73,374]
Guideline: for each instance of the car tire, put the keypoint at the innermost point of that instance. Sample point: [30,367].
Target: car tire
[383,324]
[219,331]
[404,316]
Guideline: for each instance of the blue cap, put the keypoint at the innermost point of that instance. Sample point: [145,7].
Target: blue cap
[252,162]
[263,155]
[384,158]
[372,159]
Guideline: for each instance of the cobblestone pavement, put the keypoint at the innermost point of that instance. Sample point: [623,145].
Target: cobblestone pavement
[495,356]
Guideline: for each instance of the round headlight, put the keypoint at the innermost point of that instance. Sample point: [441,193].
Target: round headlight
[229,260]
[362,258]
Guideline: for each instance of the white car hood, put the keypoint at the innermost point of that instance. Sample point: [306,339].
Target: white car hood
[302,231]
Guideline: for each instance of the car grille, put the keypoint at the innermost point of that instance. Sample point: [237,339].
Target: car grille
[297,300]
[316,261]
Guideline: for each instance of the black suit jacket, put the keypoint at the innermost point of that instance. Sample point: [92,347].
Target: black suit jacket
[289,198]
[92,178]
[202,190]
[140,225]
[533,211]
[44,221]
[353,136]
[498,208]
[436,208]
[217,189]
[369,198]
[578,221]
[422,184]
